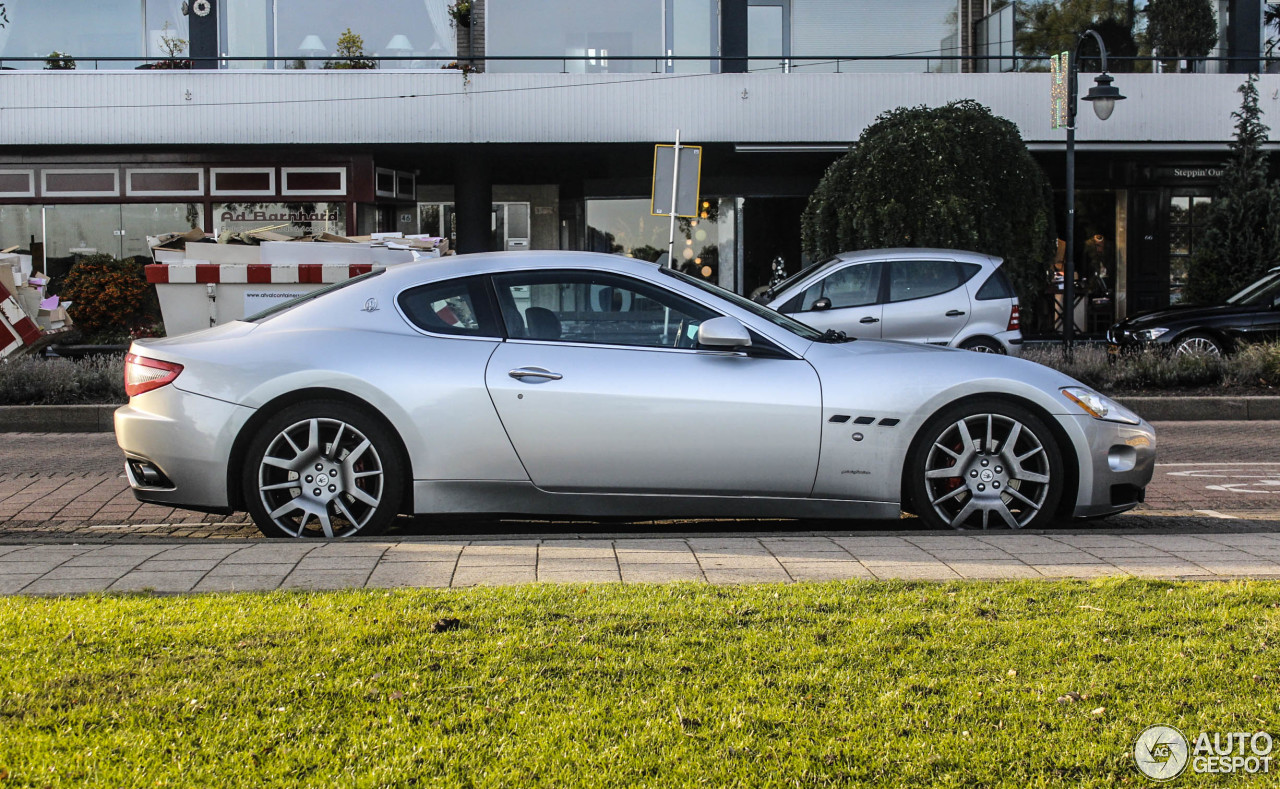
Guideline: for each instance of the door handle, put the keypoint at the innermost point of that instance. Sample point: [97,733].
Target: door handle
[869,319]
[522,373]
[954,313]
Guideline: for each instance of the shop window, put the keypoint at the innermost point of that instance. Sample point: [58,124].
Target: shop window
[704,245]
[292,219]
[20,226]
[1186,224]
[416,33]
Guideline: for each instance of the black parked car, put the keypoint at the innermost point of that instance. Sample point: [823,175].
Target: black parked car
[1252,315]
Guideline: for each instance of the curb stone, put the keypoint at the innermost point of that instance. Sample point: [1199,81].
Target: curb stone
[99,418]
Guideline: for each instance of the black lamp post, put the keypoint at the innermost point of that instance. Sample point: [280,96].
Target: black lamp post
[1104,96]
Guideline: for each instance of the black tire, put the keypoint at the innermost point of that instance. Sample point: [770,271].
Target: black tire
[313,456]
[1198,343]
[992,483]
[982,345]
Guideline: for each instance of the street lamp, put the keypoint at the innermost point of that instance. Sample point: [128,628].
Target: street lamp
[1103,95]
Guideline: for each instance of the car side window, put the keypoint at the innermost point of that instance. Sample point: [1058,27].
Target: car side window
[918,279]
[997,286]
[458,306]
[595,307]
[852,286]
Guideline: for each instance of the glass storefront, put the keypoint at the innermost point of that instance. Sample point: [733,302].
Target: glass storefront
[291,219]
[704,246]
[116,230]
[20,226]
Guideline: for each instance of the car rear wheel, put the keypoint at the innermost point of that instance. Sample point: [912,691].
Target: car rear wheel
[322,469]
[1201,344]
[982,345]
[979,465]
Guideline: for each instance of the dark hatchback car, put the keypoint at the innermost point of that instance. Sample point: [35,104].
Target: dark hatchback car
[1252,315]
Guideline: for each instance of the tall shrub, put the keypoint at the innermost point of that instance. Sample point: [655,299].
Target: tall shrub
[955,176]
[110,298]
[1241,237]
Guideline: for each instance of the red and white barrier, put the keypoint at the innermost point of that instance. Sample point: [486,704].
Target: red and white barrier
[16,328]
[253,273]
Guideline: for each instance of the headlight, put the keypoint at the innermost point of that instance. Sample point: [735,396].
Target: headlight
[1099,407]
[1147,335]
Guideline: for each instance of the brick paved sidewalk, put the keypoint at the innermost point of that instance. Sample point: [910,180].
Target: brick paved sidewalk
[243,566]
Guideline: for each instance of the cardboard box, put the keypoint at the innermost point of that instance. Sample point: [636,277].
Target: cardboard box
[240,254]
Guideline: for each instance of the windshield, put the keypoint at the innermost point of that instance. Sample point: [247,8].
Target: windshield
[284,306]
[1262,293]
[796,277]
[776,318]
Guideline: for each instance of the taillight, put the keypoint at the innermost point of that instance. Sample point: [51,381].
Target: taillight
[1014,320]
[142,374]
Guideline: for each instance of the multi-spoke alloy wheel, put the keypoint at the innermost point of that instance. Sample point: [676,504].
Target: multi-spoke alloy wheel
[321,470]
[981,467]
[1197,344]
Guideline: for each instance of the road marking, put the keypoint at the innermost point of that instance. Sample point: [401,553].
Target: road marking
[1216,514]
[1237,463]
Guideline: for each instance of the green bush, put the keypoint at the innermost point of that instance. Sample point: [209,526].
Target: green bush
[28,380]
[956,177]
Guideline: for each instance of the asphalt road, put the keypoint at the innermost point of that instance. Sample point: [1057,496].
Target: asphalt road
[1210,475]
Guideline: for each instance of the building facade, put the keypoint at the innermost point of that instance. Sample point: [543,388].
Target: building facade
[524,125]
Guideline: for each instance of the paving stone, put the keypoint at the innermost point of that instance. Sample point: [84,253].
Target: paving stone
[81,586]
[411,574]
[497,575]
[238,583]
[911,571]
[279,569]
[325,579]
[743,575]
[827,571]
[176,565]
[660,573]
[1062,556]
[577,565]
[988,570]
[656,557]
[334,561]
[66,573]
[1095,570]
[415,552]
[578,577]
[157,581]
[12,584]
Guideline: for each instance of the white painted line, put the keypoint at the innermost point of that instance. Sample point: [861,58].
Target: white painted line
[1237,463]
[1216,514]
[132,525]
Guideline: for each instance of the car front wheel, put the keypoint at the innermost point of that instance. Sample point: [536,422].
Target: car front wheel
[979,465]
[322,469]
[1201,344]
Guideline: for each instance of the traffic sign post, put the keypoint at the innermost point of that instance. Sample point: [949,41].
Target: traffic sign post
[677,171]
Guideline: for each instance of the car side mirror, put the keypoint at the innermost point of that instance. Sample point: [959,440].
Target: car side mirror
[723,332]
[823,303]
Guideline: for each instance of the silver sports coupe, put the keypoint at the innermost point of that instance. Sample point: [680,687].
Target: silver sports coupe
[594,386]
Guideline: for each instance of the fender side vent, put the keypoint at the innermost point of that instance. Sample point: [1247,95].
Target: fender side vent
[889,422]
[839,418]
[864,420]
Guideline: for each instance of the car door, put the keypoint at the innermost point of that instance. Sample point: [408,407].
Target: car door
[602,388]
[925,301]
[846,299]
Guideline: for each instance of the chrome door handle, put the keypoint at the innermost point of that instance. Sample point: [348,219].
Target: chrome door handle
[954,313]
[869,319]
[521,373]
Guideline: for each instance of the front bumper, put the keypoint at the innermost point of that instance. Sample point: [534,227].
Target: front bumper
[1118,463]
[187,439]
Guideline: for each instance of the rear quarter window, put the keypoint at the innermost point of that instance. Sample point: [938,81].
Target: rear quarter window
[997,286]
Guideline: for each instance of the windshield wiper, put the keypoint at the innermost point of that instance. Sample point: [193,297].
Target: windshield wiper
[835,335]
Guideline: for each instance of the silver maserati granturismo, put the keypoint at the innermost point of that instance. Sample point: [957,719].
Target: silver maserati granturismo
[594,386]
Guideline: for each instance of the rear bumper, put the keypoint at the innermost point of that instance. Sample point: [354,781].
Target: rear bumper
[177,445]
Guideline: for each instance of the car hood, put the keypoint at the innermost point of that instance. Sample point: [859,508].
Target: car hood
[1178,315]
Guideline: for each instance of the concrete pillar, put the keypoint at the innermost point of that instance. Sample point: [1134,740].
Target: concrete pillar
[473,202]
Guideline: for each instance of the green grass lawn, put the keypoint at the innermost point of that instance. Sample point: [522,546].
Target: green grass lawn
[830,684]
